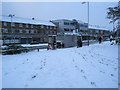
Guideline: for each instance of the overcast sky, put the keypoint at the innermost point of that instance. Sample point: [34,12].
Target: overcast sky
[61,10]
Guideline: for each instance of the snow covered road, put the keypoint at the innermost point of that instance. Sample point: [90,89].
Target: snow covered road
[94,66]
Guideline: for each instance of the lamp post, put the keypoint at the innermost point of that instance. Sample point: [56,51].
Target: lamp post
[11,16]
[88,20]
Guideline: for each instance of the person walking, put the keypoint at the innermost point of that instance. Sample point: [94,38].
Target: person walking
[80,43]
[100,40]
[38,49]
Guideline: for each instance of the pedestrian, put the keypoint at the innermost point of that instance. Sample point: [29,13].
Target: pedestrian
[80,43]
[38,49]
[111,38]
[49,47]
[116,41]
[100,40]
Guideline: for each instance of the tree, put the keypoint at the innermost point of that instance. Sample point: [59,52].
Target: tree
[114,13]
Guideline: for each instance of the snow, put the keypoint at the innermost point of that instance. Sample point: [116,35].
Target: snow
[89,40]
[81,22]
[3,46]
[94,66]
[98,28]
[34,45]
[28,21]
[72,33]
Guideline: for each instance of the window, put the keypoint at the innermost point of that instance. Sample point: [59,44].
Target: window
[71,30]
[43,31]
[54,32]
[50,27]
[5,24]
[31,26]
[55,28]
[20,31]
[47,27]
[50,32]
[35,31]
[47,31]
[71,23]
[27,25]
[66,23]
[42,26]
[97,31]
[32,31]
[36,26]
[20,25]
[12,30]
[12,24]
[5,30]
[101,32]
[27,31]
[66,29]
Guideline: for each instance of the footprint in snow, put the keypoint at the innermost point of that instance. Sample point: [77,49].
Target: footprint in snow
[34,76]
[82,71]
[115,69]
[6,74]
[102,72]
[41,68]
[84,77]
[112,75]
[73,60]
[93,83]
[76,67]
[84,58]
[41,61]
[100,62]
[44,63]
[89,51]
[91,55]
[26,85]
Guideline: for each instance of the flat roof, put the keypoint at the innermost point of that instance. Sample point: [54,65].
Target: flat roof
[98,28]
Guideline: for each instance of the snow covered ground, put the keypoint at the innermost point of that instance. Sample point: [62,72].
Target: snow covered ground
[94,66]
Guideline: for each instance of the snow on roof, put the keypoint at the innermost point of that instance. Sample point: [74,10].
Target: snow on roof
[34,45]
[81,22]
[28,21]
[69,33]
[98,28]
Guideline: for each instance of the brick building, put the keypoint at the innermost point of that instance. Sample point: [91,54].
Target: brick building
[21,31]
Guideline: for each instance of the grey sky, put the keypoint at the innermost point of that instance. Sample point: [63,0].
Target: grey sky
[60,10]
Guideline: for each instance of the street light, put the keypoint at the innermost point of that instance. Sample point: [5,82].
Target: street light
[11,16]
[88,20]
